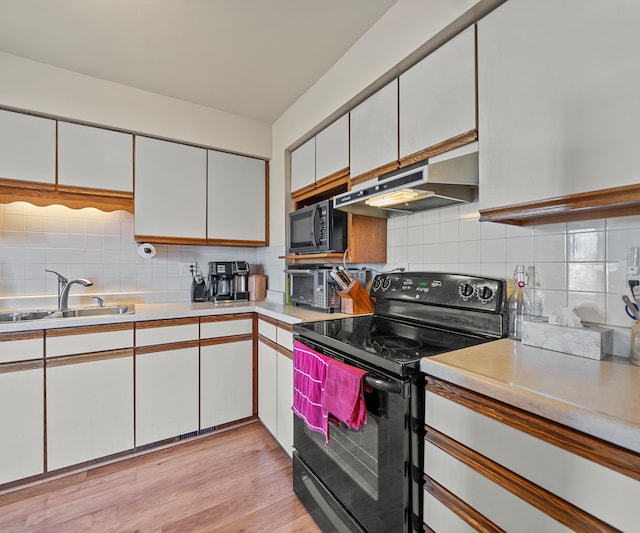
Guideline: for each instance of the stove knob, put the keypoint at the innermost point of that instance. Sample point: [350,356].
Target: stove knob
[466,291]
[386,283]
[485,294]
[376,284]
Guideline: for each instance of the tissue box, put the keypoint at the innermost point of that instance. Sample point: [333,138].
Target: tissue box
[589,341]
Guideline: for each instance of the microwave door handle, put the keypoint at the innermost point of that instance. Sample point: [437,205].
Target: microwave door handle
[298,271]
[316,222]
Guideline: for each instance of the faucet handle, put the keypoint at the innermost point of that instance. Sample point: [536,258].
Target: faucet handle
[61,278]
[99,301]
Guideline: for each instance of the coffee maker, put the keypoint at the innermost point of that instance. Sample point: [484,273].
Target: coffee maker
[221,280]
[241,273]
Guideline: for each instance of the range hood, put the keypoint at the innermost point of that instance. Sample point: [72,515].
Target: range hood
[436,184]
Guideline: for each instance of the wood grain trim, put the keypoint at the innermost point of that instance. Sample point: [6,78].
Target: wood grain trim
[15,185]
[268,320]
[562,511]
[328,183]
[160,239]
[283,351]
[7,368]
[43,195]
[22,335]
[142,350]
[604,453]
[255,364]
[603,203]
[467,513]
[230,242]
[88,357]
[226,340]
[266,201]
[73,189]
[286,326]
[168,322]
[268,342]
[457,141]
[393,165]
[332,257]
[84,330]
[226,318]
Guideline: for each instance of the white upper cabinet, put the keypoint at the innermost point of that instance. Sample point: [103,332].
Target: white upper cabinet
[332,148]
[438,95]
[303,165]
[27,148]
[170,189]
[95,158]
[374,131]
[236,197]
[557,99]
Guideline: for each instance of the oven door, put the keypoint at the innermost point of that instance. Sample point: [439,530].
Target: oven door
[360,473]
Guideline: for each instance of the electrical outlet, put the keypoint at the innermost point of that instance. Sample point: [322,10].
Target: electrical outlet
[185,269]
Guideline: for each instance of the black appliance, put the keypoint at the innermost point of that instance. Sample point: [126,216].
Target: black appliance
[371,479]
[199,291]
[241,280]
[221,280]
[317,228]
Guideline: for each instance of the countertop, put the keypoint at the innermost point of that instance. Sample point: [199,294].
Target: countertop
[158,311]
[599,398]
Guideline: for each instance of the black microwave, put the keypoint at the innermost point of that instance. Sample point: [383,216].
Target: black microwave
[317,228]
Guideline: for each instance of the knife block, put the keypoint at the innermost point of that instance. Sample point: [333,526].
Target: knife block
[355,300]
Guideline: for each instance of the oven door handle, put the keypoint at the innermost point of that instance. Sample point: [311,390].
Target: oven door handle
[394,387]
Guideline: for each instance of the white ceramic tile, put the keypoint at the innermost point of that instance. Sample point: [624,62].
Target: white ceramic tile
[449,231]
[35,223]
[550,229]
[12,239]
[616,312]
[589,306]
[616,272]
[469,252]
[519,249]
[414,219]
[495,270]
[549,248]
[632,222]
[399,237]
[469,229]
[586,246]
[551,276]
[448,214]
[431,216]
[586,225]
[415,253]
[450,253]
[588,277]
[619,242]
[414,235]
[493,251]
[13,222]
[518,231]
[492,230]
[431,234]
[469,211]
[547,301]
[431,253]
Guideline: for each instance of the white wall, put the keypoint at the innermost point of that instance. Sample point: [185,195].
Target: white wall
[29,85]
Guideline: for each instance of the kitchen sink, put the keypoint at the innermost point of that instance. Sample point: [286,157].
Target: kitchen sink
[20,316]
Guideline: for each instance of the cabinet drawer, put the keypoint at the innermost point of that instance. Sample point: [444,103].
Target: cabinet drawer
[285,338]
[59,343]
[149,334]
[440,518]
[268,330]
[21,347]
[226,328]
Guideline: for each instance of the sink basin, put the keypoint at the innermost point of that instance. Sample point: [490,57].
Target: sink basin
[20,316]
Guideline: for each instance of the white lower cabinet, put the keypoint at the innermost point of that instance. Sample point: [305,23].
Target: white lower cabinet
[89,407]
[284,401]
[166,394]
[21,420]
[267,386]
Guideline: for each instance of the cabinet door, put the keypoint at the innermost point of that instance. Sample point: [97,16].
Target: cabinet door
[332,148]
[374,131]
[438,96]
[89,408]
[303,165]
[285,401]
[171,189]
[236,198]
[95,158]
[166,394]
[22,422]
[557,99]
[27,148]
[226,383]
[267,387]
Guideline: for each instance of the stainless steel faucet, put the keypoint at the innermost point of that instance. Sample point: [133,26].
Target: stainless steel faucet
[64,285]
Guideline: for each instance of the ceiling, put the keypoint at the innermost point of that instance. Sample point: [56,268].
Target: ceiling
[253,58]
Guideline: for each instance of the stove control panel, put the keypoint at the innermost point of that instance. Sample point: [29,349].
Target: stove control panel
[454,290]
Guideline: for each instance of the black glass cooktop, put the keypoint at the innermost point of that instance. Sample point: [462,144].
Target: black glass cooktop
[384,342]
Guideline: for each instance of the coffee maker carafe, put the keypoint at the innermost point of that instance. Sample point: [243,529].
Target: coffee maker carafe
[221,280]
[241,273]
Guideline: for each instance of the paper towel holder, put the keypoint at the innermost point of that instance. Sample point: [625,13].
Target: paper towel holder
[146,250]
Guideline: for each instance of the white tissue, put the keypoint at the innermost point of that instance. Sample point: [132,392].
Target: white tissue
[563,316]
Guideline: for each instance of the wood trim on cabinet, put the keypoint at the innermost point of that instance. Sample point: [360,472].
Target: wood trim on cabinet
[226,340]
[229,242]
[226,318]
[7,368]
[266,200]
[559,509]
[255,364]
[603,203]
[374,173]
[440,148]
[159,239]
[82,330]
[604,453]
[331,257]
[167,322]
[142,350]
[327,186]
[286,326]
[74,189]
[16,186]
[22,335]
[367,239]
[88,357]
[467,513]
[268,342]
[283,351]
[268,319]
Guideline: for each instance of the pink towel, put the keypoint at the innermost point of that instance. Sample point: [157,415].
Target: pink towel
[309,373]
[343,393]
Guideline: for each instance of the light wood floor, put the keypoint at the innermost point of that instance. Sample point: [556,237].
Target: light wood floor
[237,480]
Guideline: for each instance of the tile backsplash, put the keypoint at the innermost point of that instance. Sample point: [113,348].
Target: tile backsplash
[579,265]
